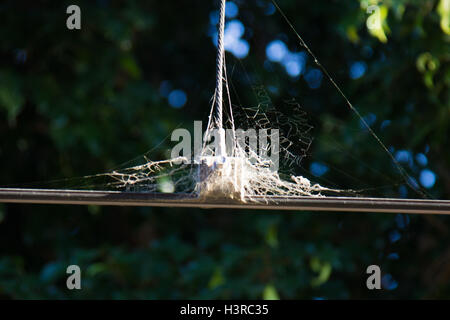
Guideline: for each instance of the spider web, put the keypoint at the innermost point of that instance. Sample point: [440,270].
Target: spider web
[249,173]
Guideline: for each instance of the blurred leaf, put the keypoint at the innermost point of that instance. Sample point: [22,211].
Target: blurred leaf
[352,34]
[270,293]
[11,98]
[272,236]
[96,268]
[129,64]
[428,65]
[444,11]
[216,280]
[377,23]
[323,269]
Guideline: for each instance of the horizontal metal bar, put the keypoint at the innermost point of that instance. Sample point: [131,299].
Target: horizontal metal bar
[117,198]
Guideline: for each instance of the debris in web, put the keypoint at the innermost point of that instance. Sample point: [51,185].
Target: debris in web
[239,160]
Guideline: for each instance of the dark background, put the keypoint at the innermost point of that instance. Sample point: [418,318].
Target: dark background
[81,102]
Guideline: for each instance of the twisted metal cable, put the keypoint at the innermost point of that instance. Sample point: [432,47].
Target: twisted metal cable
[219,65]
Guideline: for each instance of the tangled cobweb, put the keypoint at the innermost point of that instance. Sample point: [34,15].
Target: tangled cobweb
[246,175]
[234,178]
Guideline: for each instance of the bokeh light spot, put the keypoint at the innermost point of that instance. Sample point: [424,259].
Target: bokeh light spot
[357,69]
[177,98]
[314,78]
[231,10]
[427,178]
[421,159]
[276,50]
[318,169]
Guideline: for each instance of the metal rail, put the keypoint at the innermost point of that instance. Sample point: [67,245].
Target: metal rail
[117,198]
